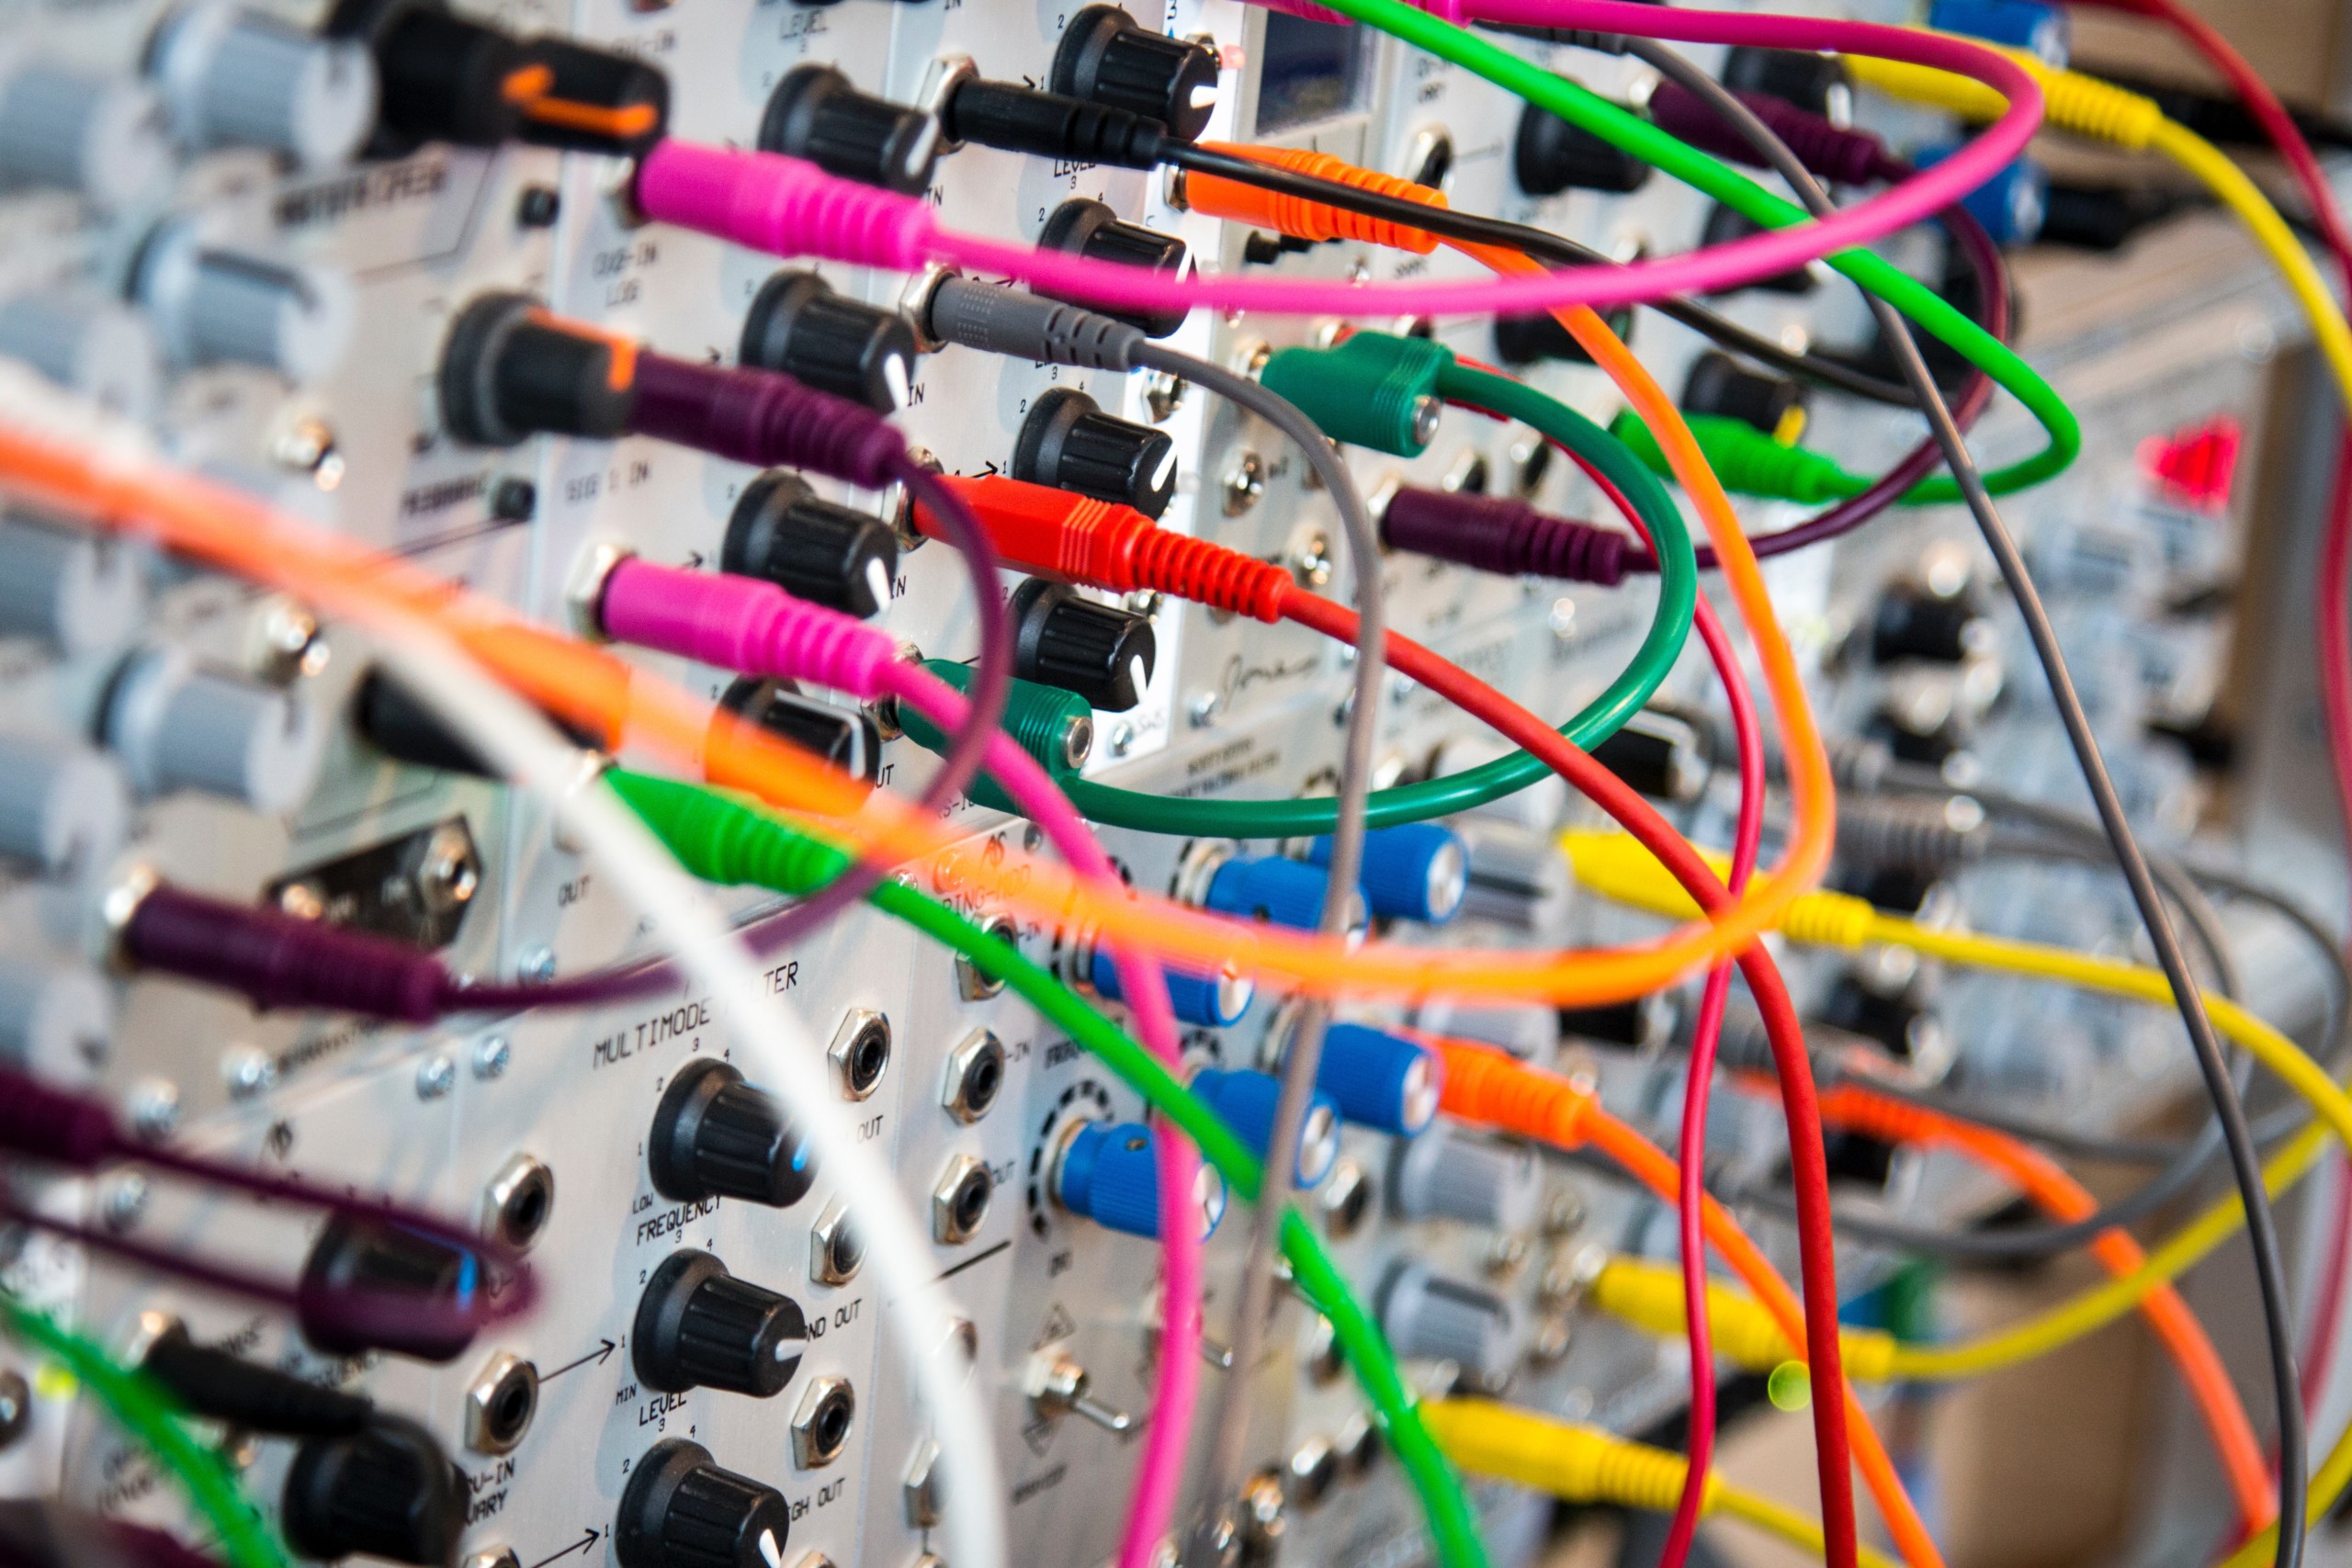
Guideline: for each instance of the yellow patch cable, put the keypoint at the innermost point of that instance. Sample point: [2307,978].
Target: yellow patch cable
[1615,866]
[2086,107]
[1584,1464]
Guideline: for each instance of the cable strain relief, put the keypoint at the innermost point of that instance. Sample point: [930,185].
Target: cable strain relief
[784,206]
[277,961]
[1208,574]
[46,1124]
[1491,1090]
[725,841]
[1830,920]
[1305,219]
[1021,326]
[1638,1477]
[2091,108]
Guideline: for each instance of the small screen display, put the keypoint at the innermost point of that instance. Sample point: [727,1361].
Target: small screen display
[1309,70]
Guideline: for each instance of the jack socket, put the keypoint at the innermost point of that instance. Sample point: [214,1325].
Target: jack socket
[834,1250]
[499,1404]
[518,1202]
[821,1427]
[960,1204]
[975,1076]
[860,1053]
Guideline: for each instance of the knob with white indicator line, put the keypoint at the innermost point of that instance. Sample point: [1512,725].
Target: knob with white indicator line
[681,1510]
[1066,442]
[1062,638]
[232,77]
[716,1137]
[213,306]
[103,138]
[798,325]
[1430,1316]
[1106,57]
[782,532]
[700,1326]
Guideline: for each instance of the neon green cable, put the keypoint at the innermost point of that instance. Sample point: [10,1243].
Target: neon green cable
[1685,162]
[141,1407]
[1678,593]
[726,840]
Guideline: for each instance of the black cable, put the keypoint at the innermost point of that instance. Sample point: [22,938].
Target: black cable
[1552,250]
[2245,1160]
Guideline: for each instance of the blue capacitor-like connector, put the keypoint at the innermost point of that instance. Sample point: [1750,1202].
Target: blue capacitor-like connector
[1245,1101]
[1211,1001]
[1268,888]
[2041,31]
[1417,871]
[1379,1079]
[2010,205]
[1108,1172]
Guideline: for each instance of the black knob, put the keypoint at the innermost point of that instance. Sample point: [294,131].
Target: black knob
[1106,57]
[1068,442]
[590,99]
[715,1135]
[700,1326]
[1912,623]
[440,78]
[1725,224]
[1814,82]
[221,1387]
[1103,654]
[1530,340]
[507,372]
[816,113]
[798,325]
[682,1511]
[387,1490]
[847,739]
[783,533]
[1552,155]
[1081,227]
[1720,385]
[370,1286]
